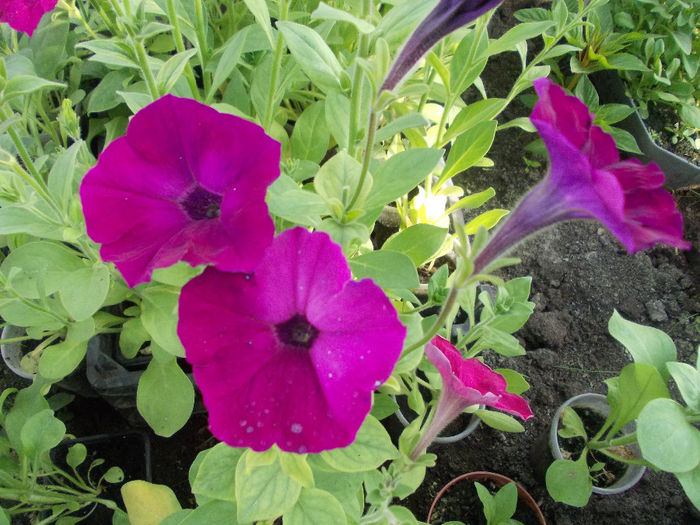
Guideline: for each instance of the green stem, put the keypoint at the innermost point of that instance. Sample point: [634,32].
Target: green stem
[47,123]
[367,156]
[180,46]
[202,41]
[617,442]
[145,68]
[444,314]
[276,66]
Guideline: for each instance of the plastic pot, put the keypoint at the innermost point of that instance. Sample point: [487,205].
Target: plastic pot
[469,429]
[679,172]
[599,404]
[12,354]
[499,480]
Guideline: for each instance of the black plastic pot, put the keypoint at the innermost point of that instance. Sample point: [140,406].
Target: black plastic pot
[679,172]
[116,379]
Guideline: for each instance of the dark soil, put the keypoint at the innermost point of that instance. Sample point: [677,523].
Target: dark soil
[581,273]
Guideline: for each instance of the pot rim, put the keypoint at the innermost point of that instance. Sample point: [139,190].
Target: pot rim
[599,403]
[497,479]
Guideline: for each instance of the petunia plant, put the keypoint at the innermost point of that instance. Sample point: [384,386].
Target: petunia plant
[200,184]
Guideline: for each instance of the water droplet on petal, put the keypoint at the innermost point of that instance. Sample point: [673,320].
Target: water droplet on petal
[249,429]
[330,374]
[243,422]
[302,449]
[377,383]
[296,428]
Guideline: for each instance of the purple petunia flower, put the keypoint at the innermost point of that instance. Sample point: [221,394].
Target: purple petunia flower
[465,382]
[185,183]
[290,354]
[448,16]
[587,180]
[24,15]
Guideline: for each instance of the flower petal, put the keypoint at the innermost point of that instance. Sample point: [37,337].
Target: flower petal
[25,15]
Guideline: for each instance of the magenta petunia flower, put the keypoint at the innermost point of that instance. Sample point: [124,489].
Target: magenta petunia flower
[448,16]
[290,354]
[465,382]
[24,15]
[587,180]
[185,183]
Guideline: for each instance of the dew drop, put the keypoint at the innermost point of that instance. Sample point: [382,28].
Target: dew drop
[377,383]
[302,449]
[250,342]
[259,424]
[362,358]
[249,429]
[340,319]
[330,374]
[266,411]
[296,428]
[243,422]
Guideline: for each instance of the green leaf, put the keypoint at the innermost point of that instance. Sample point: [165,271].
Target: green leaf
[517,34]
[688,380]
[488,220]
[104,96]
[132,337]
[63,179]
[287,200]
[499,420]
[172,70]
[313,55]
[42,265]
[164,397]
[666,438]
[297,468]
[338,118]
[215,512]
[400,174]
[387,268]
[627,62]
[569,482]
[326,12]
[315,506]
[59,360]
[691,115]
[311,135]
[645,343]
[230,56]
[84,290]
[337,180]
[346,487]
[371,448]
[27,403]
[263,493]
[25,84]
[216,476]
[262,17]
[638,384]
[159,317]
[41,433]
[516,382]
[110,52]
[114,475]
[473,114]
[17,219]
[420,242]
[469,148]
[690,481]
[571,425]
[148,503]
[76,455]
[412,120]
[349,235]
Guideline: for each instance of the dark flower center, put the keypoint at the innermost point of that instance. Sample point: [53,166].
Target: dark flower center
[202,204]
[297,331]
